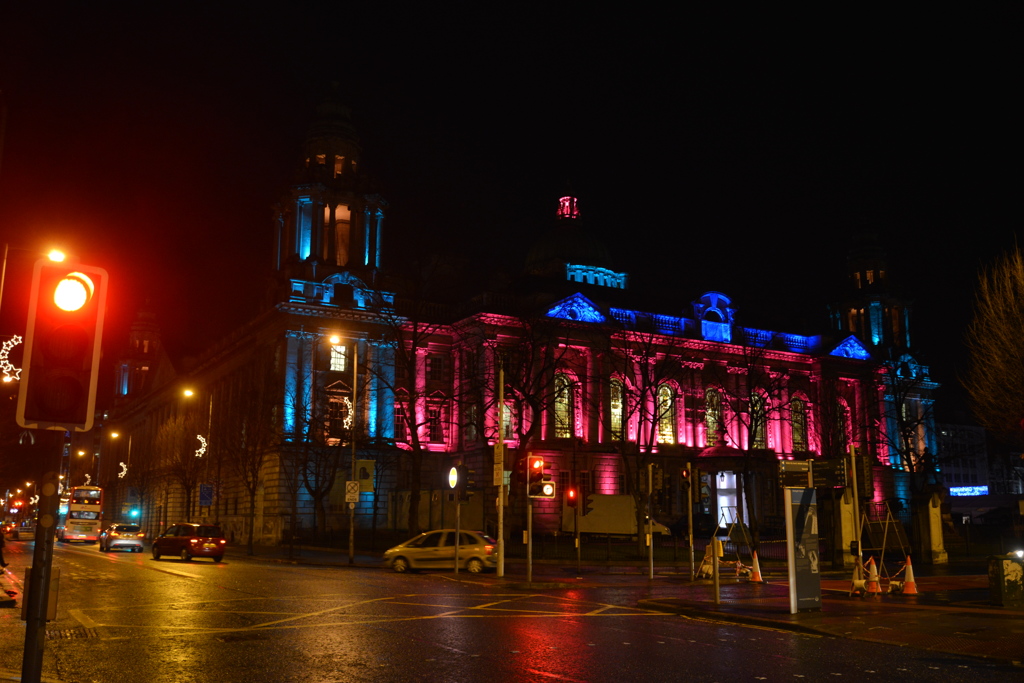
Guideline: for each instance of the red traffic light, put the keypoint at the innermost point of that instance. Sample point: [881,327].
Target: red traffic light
[62,346]
[571,497]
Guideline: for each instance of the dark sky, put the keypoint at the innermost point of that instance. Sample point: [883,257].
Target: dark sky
[729,151]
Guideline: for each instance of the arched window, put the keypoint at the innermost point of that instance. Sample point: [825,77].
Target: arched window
[616,398]
[666,414]
[712,415]
[798,423]
[758,421]
[564,407]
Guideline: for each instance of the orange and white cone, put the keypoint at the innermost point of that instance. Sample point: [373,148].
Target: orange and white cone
[756,575]
[871,585]
[909,584]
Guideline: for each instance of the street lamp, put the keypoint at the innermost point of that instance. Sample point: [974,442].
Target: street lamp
[10,373]
[54,255]
[204,447]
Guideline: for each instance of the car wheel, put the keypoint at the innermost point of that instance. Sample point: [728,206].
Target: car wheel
[400,565]
[156,553]
[185,557]
[474,566]
[217,559]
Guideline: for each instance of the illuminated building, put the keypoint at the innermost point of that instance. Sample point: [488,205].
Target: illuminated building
[597,381]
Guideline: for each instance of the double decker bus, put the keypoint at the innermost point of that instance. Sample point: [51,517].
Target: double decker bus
[79,517]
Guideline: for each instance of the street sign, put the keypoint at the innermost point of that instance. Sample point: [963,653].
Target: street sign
[351,491]
[794,472]
[803,473]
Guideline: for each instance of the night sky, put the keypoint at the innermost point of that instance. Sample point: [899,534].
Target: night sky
[731,152]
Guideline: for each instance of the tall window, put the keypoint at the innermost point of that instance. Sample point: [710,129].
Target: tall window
[666,414]
[840,439]
[616,393]
[339,358]
[401,422]
[507,421]
[339,423]
[712,415]
[435,424]
[469,429]
[564,407]
[798,423]
[437,368]
[758,422]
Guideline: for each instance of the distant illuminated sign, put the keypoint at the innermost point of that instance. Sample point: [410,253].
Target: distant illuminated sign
[968,490]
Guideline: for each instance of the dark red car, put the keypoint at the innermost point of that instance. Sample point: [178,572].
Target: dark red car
[187,540]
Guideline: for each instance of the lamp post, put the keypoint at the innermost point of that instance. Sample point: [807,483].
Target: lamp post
[189,393]
[123,470]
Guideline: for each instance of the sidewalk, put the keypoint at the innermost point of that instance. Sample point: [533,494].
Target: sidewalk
[951,613]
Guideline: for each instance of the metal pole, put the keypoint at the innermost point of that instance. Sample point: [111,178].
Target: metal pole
[856,500]
[352,438]
[689,516]
[37,600]
[576,511]
[714,568]
[458,525]
[648,524]
[499,467]
[529,540]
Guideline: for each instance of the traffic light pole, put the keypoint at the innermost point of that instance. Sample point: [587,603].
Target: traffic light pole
[37,600]
[529,540]
[458,528]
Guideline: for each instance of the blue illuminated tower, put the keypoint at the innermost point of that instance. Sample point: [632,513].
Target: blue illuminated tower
[871,308]
[332,218]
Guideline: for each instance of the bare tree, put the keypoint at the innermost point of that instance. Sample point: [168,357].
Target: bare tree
[996,342]
[323,425]
[250,408]
[419,380]
[647,377]
[181,451]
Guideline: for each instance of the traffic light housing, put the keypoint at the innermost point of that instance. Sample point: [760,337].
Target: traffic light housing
[588,504]
[538,483]
[572,497]
[62,346]
[684,478]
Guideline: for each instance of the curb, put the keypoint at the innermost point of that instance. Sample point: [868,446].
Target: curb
[701,611]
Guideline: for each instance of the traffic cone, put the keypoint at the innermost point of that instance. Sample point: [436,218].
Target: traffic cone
[756,576]
[909,585]
[871,585]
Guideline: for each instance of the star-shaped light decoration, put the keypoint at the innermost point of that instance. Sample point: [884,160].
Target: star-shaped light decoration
[11,373]
[202,447]
[124,470]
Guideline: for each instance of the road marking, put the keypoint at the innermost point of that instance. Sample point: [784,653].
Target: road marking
[82,618]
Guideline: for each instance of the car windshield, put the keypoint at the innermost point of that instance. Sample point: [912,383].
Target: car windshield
[209,532]
[128,528]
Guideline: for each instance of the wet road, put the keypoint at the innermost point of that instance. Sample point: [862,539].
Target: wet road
[126,618]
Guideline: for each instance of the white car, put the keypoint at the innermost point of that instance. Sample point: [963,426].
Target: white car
[121,537]
[436,550]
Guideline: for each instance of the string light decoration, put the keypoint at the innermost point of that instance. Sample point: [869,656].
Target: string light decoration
[201,451]
[88,479]
[124,470]
[11,373]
